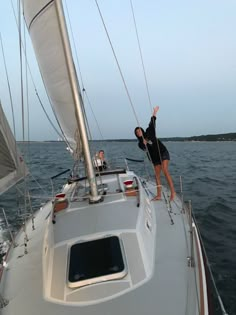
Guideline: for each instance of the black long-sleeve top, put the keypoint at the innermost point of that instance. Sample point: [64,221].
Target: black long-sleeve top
[154,146]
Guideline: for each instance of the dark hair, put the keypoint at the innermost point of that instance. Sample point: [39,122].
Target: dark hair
[139,138]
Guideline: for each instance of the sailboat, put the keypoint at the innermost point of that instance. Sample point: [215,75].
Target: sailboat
[100,246]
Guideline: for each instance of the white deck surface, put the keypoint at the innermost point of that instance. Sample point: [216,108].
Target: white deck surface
[166,288]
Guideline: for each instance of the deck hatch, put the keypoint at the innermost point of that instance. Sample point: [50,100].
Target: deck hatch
[96,261]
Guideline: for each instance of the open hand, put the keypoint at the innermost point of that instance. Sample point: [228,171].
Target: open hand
[155,110]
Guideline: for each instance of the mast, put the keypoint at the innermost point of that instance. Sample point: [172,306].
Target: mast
[77,103]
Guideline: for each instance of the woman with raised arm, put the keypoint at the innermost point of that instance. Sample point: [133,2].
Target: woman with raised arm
[156,152]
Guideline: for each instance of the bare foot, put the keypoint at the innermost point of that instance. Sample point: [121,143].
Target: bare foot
[156,198]
[172,196]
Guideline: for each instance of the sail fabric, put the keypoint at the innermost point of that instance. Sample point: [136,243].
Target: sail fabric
[12,166]
[44,30]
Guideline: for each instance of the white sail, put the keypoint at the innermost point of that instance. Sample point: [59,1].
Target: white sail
[47,28]
[42,20]
[12,166]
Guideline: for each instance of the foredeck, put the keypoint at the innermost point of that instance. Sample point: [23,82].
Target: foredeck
[161,285]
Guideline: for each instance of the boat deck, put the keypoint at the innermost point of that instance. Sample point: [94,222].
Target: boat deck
[156,245]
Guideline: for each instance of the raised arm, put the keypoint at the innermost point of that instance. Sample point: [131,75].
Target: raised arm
[151,131]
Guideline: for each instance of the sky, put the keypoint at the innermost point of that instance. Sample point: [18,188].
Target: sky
[189,55]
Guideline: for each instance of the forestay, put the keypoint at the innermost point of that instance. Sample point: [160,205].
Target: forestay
[42,21]
[12,168]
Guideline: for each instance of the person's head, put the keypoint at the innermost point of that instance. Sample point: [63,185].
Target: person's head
[139,132]
[101,154]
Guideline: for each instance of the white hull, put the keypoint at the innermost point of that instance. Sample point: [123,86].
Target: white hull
[156,246]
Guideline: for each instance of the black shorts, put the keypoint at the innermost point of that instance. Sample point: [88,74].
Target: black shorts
[164,156]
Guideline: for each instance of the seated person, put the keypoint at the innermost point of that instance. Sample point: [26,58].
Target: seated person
[99,161]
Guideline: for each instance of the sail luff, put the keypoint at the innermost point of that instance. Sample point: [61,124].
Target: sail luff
[43,26]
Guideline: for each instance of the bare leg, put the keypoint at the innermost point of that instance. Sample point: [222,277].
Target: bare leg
[158,181]
[168,178]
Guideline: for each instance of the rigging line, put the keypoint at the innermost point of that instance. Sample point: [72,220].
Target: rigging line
[126,88]
[90,106]
[62,134]
[80,74]
[27,95]
[22,96]
[118,65]
[141,55]
[9,88]
[31,76]
[144,72]
[86,119]
[73,41]
[49,119]
[79,68]
[21,74]
[27,85]
[37,182]
[88,128]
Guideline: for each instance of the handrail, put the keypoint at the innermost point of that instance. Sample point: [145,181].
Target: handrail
[137,161]
[134,160]
[55,176]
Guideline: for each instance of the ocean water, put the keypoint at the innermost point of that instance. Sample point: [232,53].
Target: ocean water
[208,171]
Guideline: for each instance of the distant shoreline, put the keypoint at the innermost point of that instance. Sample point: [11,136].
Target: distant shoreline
[218,137]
